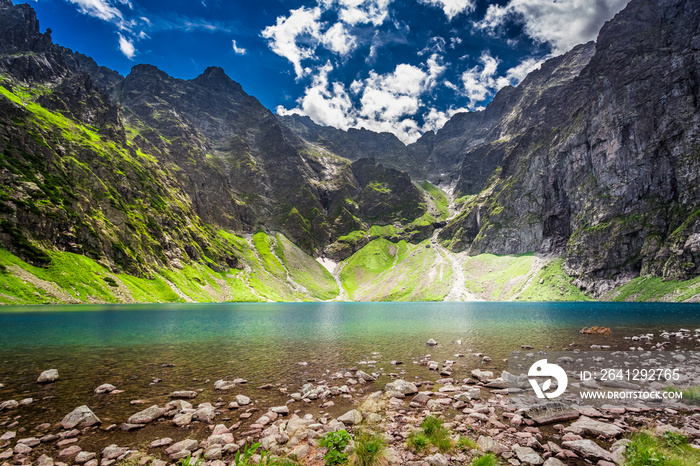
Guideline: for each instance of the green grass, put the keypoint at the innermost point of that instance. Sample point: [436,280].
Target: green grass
[488,459]
[262,245]
[556,286]
[305,270]
[668,450]
[369,449]
[495,277]
[367,263]
[432,432]
[386,231]
[655,289]
[690,395]
[465,444]
[439,199]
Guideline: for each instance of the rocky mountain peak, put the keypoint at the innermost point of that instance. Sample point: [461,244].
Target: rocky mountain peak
[215,78]
[5,3]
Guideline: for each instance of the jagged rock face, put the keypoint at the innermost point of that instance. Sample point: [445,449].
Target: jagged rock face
[603,168]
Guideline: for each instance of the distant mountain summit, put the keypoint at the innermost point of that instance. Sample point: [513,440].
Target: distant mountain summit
[594,158]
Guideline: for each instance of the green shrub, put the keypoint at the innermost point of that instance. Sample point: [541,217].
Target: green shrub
[670,449]
[335,442]
[245,457]
[369,449]
[465,444]
[486,460]
[189,462]
[431,432]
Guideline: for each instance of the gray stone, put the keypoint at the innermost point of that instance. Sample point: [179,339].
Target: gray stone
[351,417]
[45,461]
[431,342]
[188,444]
[280,409]
[300,451]
[147,415]
[553,462]
[80,417]
[550,413]
[364,376]
[113,451]
[105,388]
[588,426]
[84,457]
[402,386]
[527,455]
[9,404]
[48,376]
[242,400]
[163,442]
[69,452]
[183,394]
[227,384]
[588,449]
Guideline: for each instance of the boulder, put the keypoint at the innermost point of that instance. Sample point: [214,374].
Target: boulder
[9,404]
[147,415]
[80,417]
[183,394]
[588,449]
[527,455]
[550,413]
[188,444]
[401,386]
[113,451]
[588,426]
[48,376]
[351,417]
[242,400]
[104,388]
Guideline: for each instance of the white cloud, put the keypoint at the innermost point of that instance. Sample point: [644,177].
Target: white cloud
[451,7]
[284,34]
[483,81]
[562,23]
[384,102]
[238,50]
[127,47]
[101,9]
[354,12]
[338,40]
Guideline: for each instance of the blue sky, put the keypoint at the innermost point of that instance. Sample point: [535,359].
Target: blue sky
[403,66]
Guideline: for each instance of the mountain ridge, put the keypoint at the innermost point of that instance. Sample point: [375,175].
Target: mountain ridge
[147,173]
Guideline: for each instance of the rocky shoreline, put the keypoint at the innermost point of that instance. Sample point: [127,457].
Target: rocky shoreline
[475,407]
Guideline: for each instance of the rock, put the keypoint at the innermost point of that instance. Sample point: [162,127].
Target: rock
[104,388]
[113,451]
[488,444]
[402,386]
[188,444]
[69,452]
[126,427]
[26,401]
[527,455]
[22,449]
[550,413]
[351,417]
[280,409]
[588,449]
[43,461]
[438,459]
[183,394]
[147,415]
[227,384]
[205,413]
[163,442]
[588,426]
[300,451]
[9,404]
[84,457]
[30,442]
[9,435]
[553,462]
[242,400]
[80,417]
[472,393]
[48,376]
[364,376]
[431,342]
[7,454]
[183,419]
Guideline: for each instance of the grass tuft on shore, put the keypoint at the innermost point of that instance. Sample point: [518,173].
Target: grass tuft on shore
[670,449]
[432,432]
[370,449]
[488,459]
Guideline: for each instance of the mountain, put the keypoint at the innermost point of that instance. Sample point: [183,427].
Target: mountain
[581,180]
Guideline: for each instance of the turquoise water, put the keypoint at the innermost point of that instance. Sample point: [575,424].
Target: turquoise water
[191,346]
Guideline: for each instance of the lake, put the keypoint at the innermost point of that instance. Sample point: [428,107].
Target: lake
[151,350]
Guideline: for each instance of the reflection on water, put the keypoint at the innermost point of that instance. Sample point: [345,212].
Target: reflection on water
[131,345]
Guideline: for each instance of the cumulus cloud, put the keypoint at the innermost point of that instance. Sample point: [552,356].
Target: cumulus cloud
[452,7]
[382,102]
[354,12]
[482,80]
[562,24]
[238,50]
[338,40]
[283,36]
[127,47]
